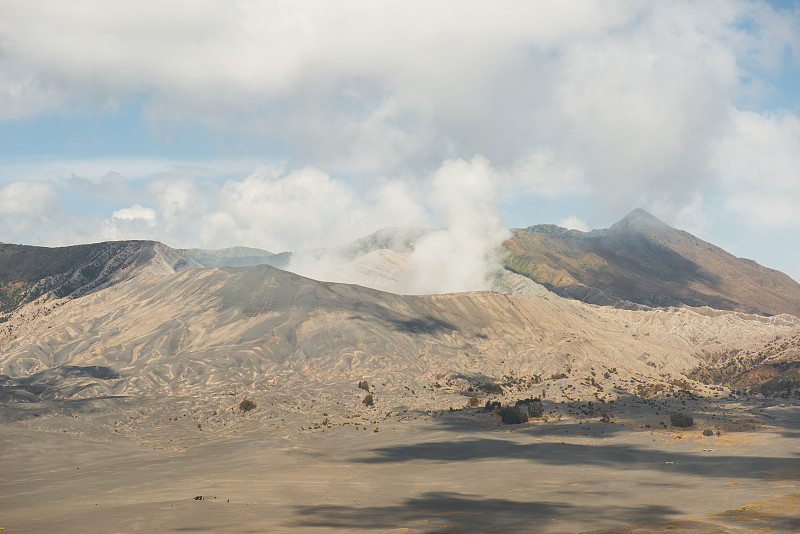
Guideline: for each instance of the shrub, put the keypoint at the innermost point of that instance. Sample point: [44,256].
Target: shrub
[492,388]
[246,405]
[681,420]
[363,385]
[708,432]
[512,415]
[535,409]
[473,401]
[368,400]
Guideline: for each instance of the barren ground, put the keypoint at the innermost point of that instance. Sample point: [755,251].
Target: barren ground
[458,471]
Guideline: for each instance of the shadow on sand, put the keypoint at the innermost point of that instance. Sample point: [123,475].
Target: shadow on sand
[621,457]
[592,450]
[440,512]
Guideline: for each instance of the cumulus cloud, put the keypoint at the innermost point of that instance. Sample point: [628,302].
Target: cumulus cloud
[25,208]
[135,212]
[757,163]
[305,209]
[545,173]
[629,94]
[27,198]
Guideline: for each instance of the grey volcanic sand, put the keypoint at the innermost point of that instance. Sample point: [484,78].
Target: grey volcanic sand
[455,472]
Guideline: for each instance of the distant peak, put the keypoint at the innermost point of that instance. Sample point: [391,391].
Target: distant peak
[640,219]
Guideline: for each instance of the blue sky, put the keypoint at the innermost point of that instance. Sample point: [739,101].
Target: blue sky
[292,126]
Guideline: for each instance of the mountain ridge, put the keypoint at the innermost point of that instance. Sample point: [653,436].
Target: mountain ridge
[638,262]
[641,260]
[29,272]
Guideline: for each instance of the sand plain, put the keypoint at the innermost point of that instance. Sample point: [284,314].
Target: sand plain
[458,471]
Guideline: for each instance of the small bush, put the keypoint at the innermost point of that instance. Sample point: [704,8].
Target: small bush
[512,415]
[681,420]
[473,401]
[368,401]
[708,432]
[535,409]
[363,385]
[246,405]
[492,388]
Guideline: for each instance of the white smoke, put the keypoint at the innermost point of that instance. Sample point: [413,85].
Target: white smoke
[574,223]
[461,256]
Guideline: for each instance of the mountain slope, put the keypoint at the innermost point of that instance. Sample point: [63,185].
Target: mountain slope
[206,331]
[640,260]
[28,272]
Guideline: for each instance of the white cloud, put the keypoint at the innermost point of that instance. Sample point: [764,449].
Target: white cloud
[544,173]
[94,172]
[304,208]
[27,209]
[757,164]
[190,206]
[574,223]
[27,199]
[269,208]
[137,211]
[631,94]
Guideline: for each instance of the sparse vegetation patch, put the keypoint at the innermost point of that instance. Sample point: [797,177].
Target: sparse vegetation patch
[491,388]
[246,405]
[781,384]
